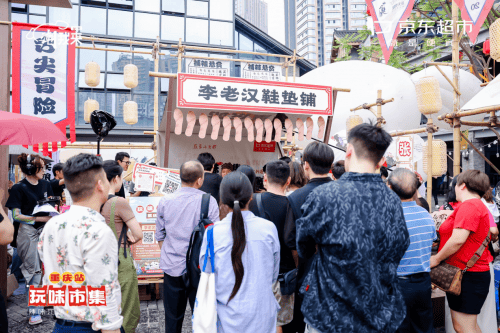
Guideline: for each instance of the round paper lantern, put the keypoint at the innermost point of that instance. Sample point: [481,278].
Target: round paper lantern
[486,47]
[89,106]
[130,76]
[130,114]
[353,121]
[439,162]
[428,95]
[92,74]
[495,40]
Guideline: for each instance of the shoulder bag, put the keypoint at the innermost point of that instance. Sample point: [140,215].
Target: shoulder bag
[448,278]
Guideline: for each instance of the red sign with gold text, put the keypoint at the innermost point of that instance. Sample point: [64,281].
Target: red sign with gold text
[264,147]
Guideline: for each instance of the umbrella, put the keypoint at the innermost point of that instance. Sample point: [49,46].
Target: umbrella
[18,129]
[15,151]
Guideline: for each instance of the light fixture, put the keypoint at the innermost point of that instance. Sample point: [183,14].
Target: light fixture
[102,122]
[495,40]
[130,113]
[439,161]
[92,74]
[353,121]
[89,106]
[428,95]
[130,76]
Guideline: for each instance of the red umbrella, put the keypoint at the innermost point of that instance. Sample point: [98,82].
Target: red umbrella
[18,129]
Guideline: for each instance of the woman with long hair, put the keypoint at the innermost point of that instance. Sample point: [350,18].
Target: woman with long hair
[121,219]
[297,176]
[23,199]
[461,236]
[247,255]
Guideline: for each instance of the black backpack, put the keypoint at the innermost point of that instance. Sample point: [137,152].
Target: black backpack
[193,270]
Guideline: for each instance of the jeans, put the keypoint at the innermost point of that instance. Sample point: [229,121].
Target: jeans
[175,297]
[58,328]
[16,266]
[35,281]
[416,290]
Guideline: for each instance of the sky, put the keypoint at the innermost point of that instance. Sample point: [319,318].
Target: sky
[276,19]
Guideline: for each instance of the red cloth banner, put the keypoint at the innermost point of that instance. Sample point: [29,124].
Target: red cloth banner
[43,75]
[474,13]
[387,18]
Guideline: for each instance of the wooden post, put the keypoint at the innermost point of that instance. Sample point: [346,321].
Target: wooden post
[294,63]
[169,108]
[5,47]
[456,98]
[379,108]
[429,166]
[157,62]
[329,120]
[179,56]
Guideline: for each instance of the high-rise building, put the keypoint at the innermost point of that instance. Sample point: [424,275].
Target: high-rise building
[254,11]
[290,19]
[316,21]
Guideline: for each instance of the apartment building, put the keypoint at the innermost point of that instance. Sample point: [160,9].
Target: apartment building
[254,11]
[318,19]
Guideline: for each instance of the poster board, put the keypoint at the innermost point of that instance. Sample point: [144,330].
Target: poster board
[155,179]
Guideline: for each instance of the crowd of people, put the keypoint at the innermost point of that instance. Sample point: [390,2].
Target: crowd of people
[326,247]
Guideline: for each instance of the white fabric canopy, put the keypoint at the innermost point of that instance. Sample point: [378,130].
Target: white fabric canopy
[488,96]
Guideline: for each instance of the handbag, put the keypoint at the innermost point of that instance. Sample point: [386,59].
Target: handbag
[205,305]
[448,278]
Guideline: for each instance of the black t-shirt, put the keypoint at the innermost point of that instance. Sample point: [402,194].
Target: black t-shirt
[121,192]
[275,209]
[56,188]
[25,196]
[211,184]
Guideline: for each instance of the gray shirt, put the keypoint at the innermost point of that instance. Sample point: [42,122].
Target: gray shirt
[177,216]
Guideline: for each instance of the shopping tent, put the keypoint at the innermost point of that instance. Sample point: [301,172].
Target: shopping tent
[488,96]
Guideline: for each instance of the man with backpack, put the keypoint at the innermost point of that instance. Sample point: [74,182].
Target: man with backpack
[273,205]
[177,216]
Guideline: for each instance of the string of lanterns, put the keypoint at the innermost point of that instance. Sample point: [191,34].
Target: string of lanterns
[494,142]
[130,80]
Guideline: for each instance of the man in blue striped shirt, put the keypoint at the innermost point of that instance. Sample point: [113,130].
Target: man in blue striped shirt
[414,267]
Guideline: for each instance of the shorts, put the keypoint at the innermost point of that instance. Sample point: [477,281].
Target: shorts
[475,287]
[285,314]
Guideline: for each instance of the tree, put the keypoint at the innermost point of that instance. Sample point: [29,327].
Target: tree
[434,15]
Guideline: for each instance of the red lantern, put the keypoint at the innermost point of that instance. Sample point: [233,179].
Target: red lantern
[368,11]
[486,47]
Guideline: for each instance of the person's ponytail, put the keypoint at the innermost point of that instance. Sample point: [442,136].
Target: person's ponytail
[236,192]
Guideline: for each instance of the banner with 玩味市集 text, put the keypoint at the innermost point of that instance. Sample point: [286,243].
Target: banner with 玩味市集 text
[43,75]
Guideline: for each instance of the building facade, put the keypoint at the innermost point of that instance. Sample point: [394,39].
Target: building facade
[254,11]
[197,23]
[290,20]
[316,20]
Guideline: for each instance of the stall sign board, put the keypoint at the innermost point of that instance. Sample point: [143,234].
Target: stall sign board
[221,93]
[404,149]
[264,146]
[161,176]
[142,208]
[43,73]
[262,72]
[209,67]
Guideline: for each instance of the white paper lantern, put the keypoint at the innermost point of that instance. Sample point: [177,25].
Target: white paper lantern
[92,74]
[130,76]
[353,121]
[495,40]
[130,114]
[89,106]
[439,162]
[428,95]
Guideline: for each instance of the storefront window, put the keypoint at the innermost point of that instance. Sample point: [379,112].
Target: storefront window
[93,20]
[197,8]
[145,104]
[144,64]
[19,18]
[172,28]
[115,81]
[221,33]
[100,97]
[87,56]
[35,19]
[66,15]
[174,6]
[114,105]
[147,25]
[221,10]
[82,84]
[147,5]
[124,29]
[118,60]
[196,31]
[38,9]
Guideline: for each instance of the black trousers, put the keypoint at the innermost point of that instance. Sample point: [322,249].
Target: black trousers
[175,297]
[4,325]
[416,290]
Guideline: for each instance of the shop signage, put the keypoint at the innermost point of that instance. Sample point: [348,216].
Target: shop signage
[404,151]
[264,146]
[43,74]
[262,72]
[387,18]
[463,143]
[474,12]
[205,92]
[209,67]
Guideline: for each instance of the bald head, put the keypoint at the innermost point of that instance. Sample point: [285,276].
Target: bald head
[404,183]
[191,172]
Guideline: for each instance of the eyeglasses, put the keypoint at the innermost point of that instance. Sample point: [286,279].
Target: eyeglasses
[128,163]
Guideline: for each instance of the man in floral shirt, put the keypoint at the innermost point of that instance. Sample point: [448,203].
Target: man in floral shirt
[80,241]
[355,230]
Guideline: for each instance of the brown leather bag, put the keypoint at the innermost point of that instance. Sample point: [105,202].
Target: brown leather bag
[449,278]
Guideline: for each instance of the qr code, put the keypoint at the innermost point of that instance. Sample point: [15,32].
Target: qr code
[148,237]
[170,187]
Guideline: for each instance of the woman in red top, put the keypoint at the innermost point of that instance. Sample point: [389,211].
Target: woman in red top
[461,236]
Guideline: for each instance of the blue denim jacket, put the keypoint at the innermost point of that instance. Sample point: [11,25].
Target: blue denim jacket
[359,227]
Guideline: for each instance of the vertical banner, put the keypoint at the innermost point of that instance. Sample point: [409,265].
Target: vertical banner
[43,74]
[474,13]
[387,15]
[404,152]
